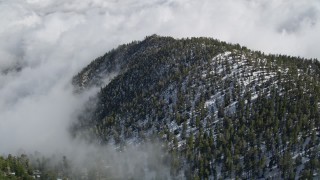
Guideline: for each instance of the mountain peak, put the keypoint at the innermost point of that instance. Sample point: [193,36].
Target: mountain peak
[221,107]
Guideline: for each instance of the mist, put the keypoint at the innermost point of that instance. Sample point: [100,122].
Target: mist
[44,43]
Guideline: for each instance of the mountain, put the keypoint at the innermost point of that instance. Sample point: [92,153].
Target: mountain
[220,109]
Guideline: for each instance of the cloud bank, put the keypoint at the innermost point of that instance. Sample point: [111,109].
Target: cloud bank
[43,43]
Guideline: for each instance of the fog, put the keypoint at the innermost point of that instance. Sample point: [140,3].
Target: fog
[43,43]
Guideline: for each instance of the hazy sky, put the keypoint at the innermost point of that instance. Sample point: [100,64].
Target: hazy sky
[51,40]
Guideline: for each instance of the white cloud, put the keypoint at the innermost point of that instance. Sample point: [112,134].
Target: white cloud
[53,39]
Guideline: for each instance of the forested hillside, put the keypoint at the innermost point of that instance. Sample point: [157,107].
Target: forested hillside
[15,168]
[221,110]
